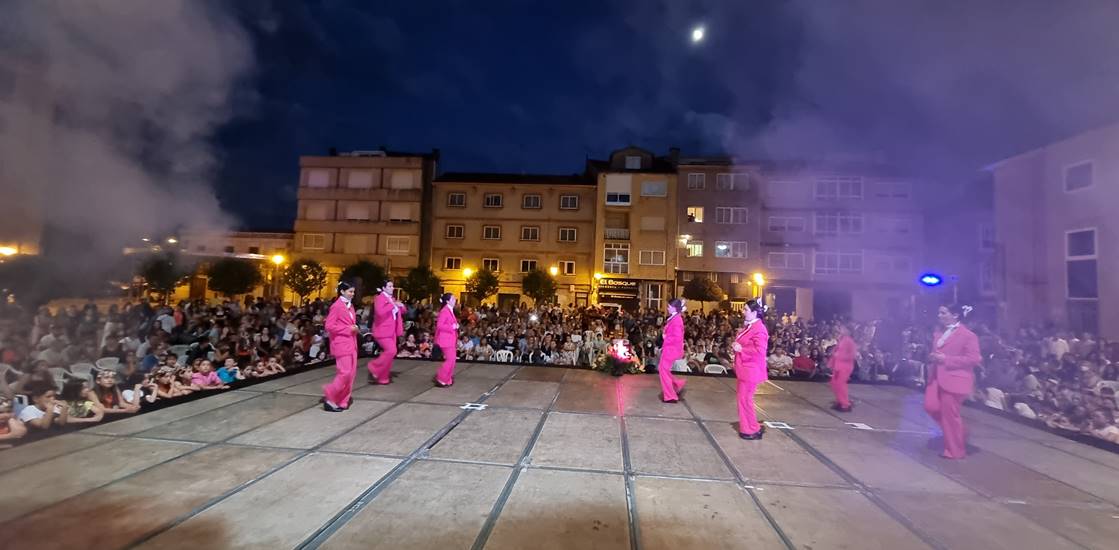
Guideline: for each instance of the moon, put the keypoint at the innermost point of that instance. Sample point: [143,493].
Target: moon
[697,34]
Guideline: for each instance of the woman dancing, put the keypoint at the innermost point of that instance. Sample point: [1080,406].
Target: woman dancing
[671,350]
[842,363]
[388,325]
[951,377]
[749,367]
[341,325]
[446,337]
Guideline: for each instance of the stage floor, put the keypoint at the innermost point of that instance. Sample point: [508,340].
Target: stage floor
[551,458]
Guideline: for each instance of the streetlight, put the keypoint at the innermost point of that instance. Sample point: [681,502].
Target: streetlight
[278,259]
[598,276]
[172,240]
[7,251]
[467,272]
[553,270]
[759,282]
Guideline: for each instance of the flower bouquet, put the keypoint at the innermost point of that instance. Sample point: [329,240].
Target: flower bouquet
[619,359]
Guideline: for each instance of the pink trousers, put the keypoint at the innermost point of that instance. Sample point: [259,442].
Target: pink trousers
[838,384]
[381,366]
[669,384]
[747,417]
[446,374]
[944,408]
[338,390]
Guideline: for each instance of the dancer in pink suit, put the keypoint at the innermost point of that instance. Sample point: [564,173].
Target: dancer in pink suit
[671,350]
[749,367]
[341,325]
[388,325]
[446,337]
[842,363]
[951,377]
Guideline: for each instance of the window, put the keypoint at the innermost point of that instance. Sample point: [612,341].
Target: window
[455,231]
[1079,176]
[730,249]
[839,187]
[650,257]
[697,182]
[254,250]
[838,223]
[896,224]
[695,249]
[652,223]
[1081,264]
[695,214]
[530,233]
[986,236]
[452,262]
[491,264]
[317,211]
[732,182]
[318,178]
[360,179]
[358,244]
[312,241]
[528,265]
[734,278]
[785,260]
[655,296]
[567,234]
[616,258]
[620,199]
[357,211]
[987,276]
[399,212]
[633,162]
[530,201]
[456,200]
[839,262]
[729,214]
[230,250]
[786,224]
[569,202]
[891,190]
[713,277]
[491,232]
[493,200]
[402,179]
[654,189]
[398,246]
[567,267]
[688,276]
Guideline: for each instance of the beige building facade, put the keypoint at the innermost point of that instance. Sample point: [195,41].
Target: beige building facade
[512,224]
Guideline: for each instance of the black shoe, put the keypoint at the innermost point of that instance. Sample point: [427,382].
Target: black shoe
[663,400]
[752,437]
[840,408]
[439,384]
[374,382]
[328,408]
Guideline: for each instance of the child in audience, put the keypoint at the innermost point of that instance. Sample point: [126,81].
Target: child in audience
[82,403]
[205,377]
[44,411]
[167,386]
[109,395]
[229,371]
[11,428]
[275,366]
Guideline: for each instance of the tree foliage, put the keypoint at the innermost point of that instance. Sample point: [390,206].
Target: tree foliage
[482,285]
[365,276]
[162,274]
[539,286]
[232,276]
[702,289]
[305,277]
[421,283]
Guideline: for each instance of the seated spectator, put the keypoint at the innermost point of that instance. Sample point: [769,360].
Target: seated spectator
[82,403]
[206,379]
[275,366]
[44,411]
[229,371]
[167,386]
[803,363]
[779,363]
[109,395]
[11,428]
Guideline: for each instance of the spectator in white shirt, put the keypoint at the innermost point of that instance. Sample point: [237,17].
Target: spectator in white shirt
[44,411]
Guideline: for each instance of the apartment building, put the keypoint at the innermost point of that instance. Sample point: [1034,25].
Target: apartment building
[512,224]
[270,250]
[635,228]
[1054,225]
[719,218]
[364,205]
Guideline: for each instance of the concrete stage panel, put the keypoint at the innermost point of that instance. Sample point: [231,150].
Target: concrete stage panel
[464,390]
[121,513]
[311,427]
[284,508]
[1092,528]
[717,515]
[397,432]
[487,371]
[712,405]
[226,422]
[835,518]
[491,435]
[138,423]
[586,376]
[673,447]
[599,397]
[582,441]
[554,510]
[318,373]
[44,483]
[1088,476]
[435,505]
[953,523]
[541,374]
[774,458]
[792,410]
[646,401]
[402,388]
[45,449]
[525,393]
[426,370]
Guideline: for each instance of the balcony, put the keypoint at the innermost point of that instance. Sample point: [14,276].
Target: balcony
[617,233]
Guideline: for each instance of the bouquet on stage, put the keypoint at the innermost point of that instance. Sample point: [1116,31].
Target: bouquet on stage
[619,359]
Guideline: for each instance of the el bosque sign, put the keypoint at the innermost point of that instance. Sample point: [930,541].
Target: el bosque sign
[617,288]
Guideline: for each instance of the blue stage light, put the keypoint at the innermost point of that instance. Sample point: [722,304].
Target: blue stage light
[931,279]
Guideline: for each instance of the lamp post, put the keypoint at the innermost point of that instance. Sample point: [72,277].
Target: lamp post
[277,275]
[759,283]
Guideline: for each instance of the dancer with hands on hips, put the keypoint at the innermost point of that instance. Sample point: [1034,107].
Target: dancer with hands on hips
[749,367]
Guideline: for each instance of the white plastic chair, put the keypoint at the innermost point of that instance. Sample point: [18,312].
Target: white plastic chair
[180,350]
[715,369]
[503,356]
[107,363]
[1114,385]
[681,365]
[85,370]
[60,374]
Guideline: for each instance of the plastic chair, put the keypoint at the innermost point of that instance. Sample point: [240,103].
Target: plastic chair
[85,370]
[504,356]
[715,369]
[179,350]
[107,363]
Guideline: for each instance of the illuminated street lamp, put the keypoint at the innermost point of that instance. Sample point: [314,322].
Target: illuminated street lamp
[598,276]
[553,270]
[759,283]
[172,240]
[278,259]
[467,272]
[7,251]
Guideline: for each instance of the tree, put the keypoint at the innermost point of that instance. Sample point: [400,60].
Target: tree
[162,274]
[363,275]
[702,289]
[421,283]
[232,276]
[305,277]
[539,286]
[482,285]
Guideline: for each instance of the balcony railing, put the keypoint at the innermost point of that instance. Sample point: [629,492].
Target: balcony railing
[617,233]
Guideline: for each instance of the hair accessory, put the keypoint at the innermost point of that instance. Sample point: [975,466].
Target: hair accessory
[966,310]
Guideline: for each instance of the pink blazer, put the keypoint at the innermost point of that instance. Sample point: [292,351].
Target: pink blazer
[339,325]
[956,374]
[749,364]
[673,338]
[446,327]
[388,320]
[843,357]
